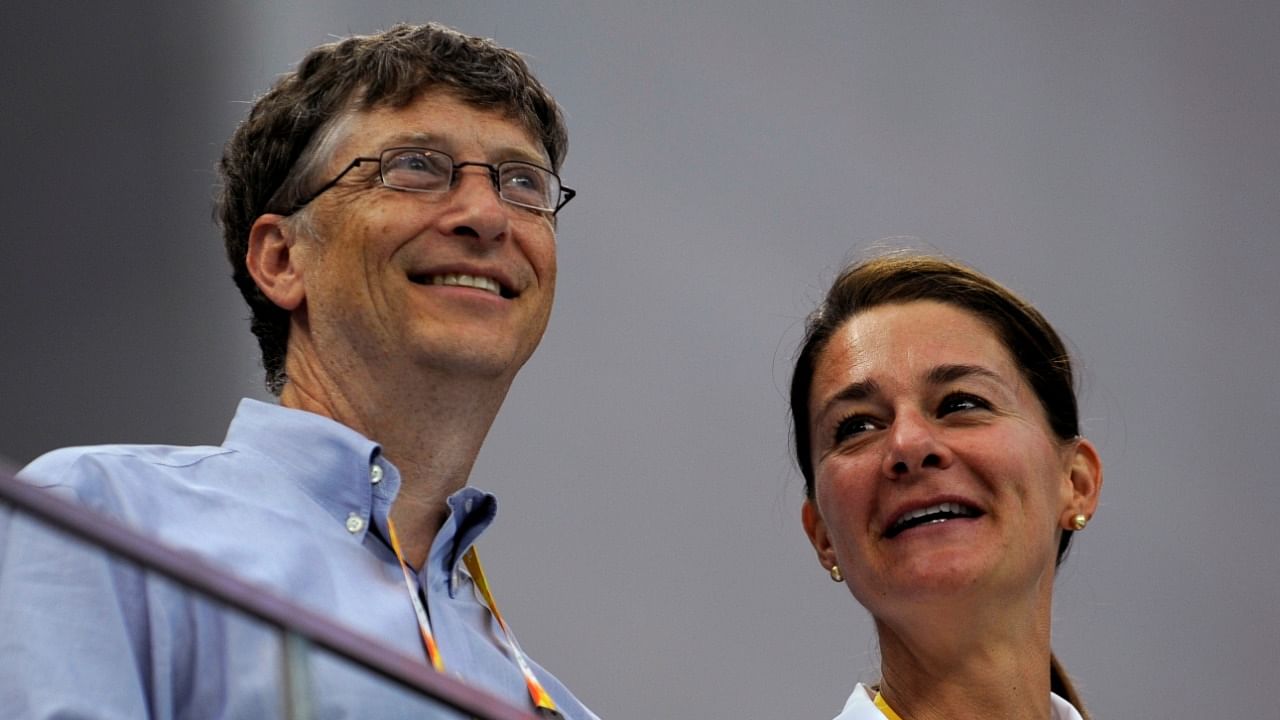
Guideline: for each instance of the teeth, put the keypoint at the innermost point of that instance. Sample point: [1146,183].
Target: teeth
[946,507]
[478,282]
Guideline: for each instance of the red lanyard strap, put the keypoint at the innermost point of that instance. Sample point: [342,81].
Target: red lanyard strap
[542,700]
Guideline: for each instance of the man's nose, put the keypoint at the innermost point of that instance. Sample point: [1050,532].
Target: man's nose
[474,207]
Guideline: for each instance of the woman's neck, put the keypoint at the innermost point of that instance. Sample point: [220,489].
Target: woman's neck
[960,665]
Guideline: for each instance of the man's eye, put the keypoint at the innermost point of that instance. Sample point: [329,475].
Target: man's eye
[417,169]
[852,426]
[415,161]
[525,182]
[525,179]
[959,402]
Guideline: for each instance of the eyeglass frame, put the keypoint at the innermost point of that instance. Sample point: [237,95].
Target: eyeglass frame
[566,193]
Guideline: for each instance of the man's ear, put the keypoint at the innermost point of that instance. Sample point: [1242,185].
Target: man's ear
[273,261]
[816,528]
[1085,478]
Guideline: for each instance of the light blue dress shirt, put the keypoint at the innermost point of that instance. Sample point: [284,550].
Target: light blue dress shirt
[291,500]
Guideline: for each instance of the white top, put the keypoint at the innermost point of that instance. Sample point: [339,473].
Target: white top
[861,706]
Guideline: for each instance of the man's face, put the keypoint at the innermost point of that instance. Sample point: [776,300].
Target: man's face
[399,282]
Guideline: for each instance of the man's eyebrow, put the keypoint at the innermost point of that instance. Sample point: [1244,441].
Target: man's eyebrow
[944,374]
[442,143]
[412,139]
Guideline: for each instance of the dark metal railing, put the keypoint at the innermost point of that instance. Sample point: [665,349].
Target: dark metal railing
[302,628]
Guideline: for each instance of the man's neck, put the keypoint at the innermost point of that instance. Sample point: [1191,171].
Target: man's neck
[430,429]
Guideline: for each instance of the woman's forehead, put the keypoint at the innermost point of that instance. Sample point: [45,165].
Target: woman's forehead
[914,329]
[907,343]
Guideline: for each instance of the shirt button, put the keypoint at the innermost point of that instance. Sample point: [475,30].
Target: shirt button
[355,523]
[375,474]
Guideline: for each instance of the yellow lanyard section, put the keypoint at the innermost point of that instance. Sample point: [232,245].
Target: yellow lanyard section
[884,708]
[541,698]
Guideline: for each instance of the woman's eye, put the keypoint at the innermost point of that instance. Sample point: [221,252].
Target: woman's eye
[959,402]
[852,426]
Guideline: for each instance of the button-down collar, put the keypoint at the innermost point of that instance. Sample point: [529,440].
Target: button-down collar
[346,474]
[326,459]
[471,511]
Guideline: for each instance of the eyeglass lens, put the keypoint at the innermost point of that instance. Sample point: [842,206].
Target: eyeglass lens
[424,170]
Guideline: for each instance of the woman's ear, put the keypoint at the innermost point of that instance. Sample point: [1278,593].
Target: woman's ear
[816,528]
[1085,482]
[273,262]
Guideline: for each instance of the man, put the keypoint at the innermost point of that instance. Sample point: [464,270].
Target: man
[389,213]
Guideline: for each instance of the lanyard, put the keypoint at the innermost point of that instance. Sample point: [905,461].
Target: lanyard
[542,700]
[884,708]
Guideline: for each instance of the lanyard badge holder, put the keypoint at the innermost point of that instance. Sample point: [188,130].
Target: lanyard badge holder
[544,705]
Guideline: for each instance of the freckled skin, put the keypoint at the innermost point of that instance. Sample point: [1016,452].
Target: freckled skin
[362,309]
[422,368]
[918,403]
[1003,458]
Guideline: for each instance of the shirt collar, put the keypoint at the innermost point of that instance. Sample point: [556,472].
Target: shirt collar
[327,460]
[471,511]
[335,466]
[861,705]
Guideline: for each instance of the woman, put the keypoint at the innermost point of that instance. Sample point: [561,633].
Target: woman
[936,428]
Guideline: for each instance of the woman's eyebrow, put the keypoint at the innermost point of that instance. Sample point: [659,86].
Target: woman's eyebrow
[943,374]
[940,375]
[853,392]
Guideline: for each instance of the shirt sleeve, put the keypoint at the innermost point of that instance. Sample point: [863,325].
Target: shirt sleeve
[73,630]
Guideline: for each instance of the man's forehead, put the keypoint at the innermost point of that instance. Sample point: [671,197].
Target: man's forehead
[442,121]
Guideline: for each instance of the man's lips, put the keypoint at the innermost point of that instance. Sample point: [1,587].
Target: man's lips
[939,511]
[474,280]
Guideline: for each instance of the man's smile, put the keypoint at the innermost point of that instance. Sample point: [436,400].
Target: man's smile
[478,282]
[487,281]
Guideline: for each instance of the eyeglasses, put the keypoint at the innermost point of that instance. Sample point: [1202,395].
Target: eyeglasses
[417,169]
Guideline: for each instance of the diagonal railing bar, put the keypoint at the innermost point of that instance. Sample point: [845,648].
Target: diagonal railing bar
[194,572]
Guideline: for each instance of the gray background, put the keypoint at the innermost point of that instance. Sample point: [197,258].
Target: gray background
[1116,162]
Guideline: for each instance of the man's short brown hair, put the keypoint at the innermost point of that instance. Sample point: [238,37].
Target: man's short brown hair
[269,163]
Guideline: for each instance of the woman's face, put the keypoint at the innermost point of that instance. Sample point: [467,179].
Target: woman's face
[935,468]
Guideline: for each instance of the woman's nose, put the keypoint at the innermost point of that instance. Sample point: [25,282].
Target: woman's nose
[914,446]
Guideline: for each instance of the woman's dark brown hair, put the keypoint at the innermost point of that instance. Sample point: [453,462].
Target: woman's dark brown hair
[905,277]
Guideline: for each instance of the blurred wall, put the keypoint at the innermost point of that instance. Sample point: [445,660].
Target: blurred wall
[1117,163]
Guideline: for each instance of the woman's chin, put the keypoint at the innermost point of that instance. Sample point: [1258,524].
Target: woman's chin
[944,573]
